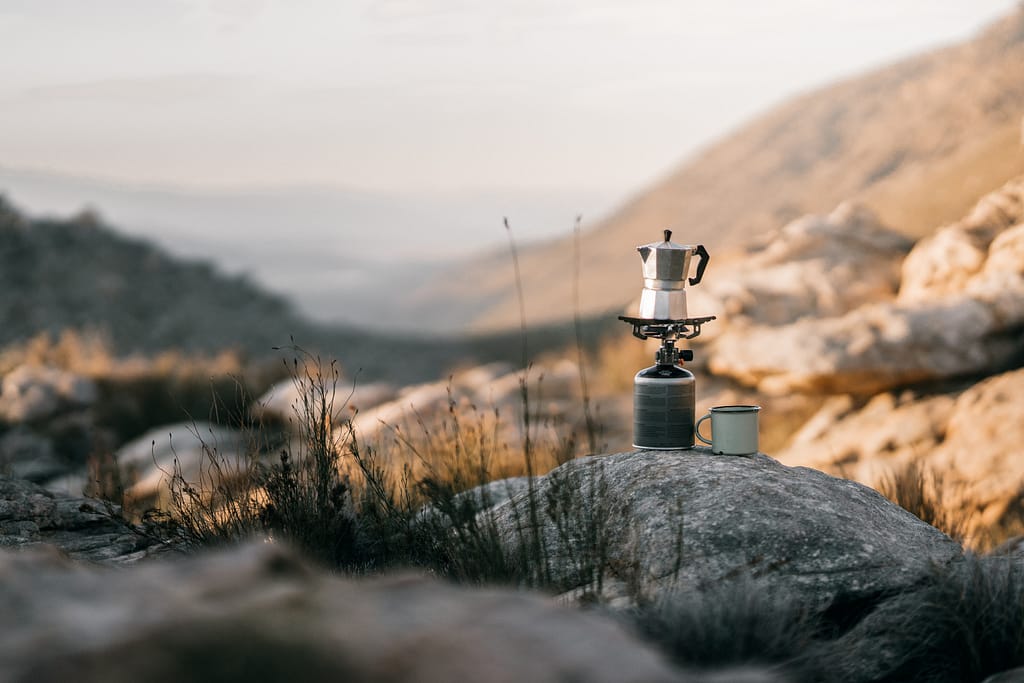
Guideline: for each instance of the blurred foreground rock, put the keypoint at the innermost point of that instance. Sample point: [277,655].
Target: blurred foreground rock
[256,613]
[693,520]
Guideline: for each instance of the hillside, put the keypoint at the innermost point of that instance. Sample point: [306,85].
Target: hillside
[80,274]
[919,141]
[77,273]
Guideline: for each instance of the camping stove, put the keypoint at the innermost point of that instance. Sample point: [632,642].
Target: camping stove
[663,394]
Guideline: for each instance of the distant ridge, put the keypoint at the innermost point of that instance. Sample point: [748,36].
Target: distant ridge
[919,141]
[79,274]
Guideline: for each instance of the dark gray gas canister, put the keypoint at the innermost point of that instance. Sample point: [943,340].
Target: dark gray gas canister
[663,403]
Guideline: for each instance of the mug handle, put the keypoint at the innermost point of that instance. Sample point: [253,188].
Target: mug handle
[696,429]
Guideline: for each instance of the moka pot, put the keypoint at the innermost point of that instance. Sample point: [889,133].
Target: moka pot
[666,267]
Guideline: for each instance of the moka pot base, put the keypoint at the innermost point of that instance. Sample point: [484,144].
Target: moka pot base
[663,303]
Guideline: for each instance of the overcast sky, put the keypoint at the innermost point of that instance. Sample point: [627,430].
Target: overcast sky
[420,95]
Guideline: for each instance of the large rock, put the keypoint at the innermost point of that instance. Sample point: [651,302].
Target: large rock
[34,392]
[816,266]
[982,451]
[429,401]
[968,438]
[942,264]
[284,400]
[1000,284]
[257,613]
[870,350]
[960,312]
[80,527]
[871,441]
[696,520]
[489,393]
[191,449]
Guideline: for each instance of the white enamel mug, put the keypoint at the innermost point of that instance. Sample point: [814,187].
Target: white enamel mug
[733,430]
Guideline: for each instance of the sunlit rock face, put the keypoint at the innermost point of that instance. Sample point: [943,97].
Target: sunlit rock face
[258,613]
[868,441]
[982,448]
[959,311]
[815,266]
[969,437]
[189,449]
[944,263]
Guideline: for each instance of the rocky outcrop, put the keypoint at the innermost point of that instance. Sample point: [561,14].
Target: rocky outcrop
[26,454]
[34,392]
[942,264]
[686,520]
[283,401]
[80,527]
[984,444]
[816,266]
[869,441]
[258,613]
[493,391]
[870,350]
[969,436]
[191,449]
[960,311]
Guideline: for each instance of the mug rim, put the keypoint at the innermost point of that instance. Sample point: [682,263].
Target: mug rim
[738,408]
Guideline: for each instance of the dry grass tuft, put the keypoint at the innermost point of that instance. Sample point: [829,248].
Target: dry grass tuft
[924,493]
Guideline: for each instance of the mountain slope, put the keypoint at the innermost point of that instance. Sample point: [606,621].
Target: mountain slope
[918,141]
[76,273]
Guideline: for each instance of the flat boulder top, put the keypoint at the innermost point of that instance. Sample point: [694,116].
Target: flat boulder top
[694,520]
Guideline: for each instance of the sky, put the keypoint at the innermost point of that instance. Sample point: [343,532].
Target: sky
[423,95]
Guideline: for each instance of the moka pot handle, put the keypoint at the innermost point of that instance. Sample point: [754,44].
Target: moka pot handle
[704,258]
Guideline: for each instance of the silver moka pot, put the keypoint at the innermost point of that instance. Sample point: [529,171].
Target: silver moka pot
[666,267]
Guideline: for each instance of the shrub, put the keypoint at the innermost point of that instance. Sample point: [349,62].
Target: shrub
[737,624]
[964,624]
[414,498]
[921,491]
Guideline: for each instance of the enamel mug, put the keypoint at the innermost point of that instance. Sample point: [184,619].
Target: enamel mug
[734,430]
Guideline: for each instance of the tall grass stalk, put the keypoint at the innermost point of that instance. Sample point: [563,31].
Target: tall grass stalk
[581,360]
